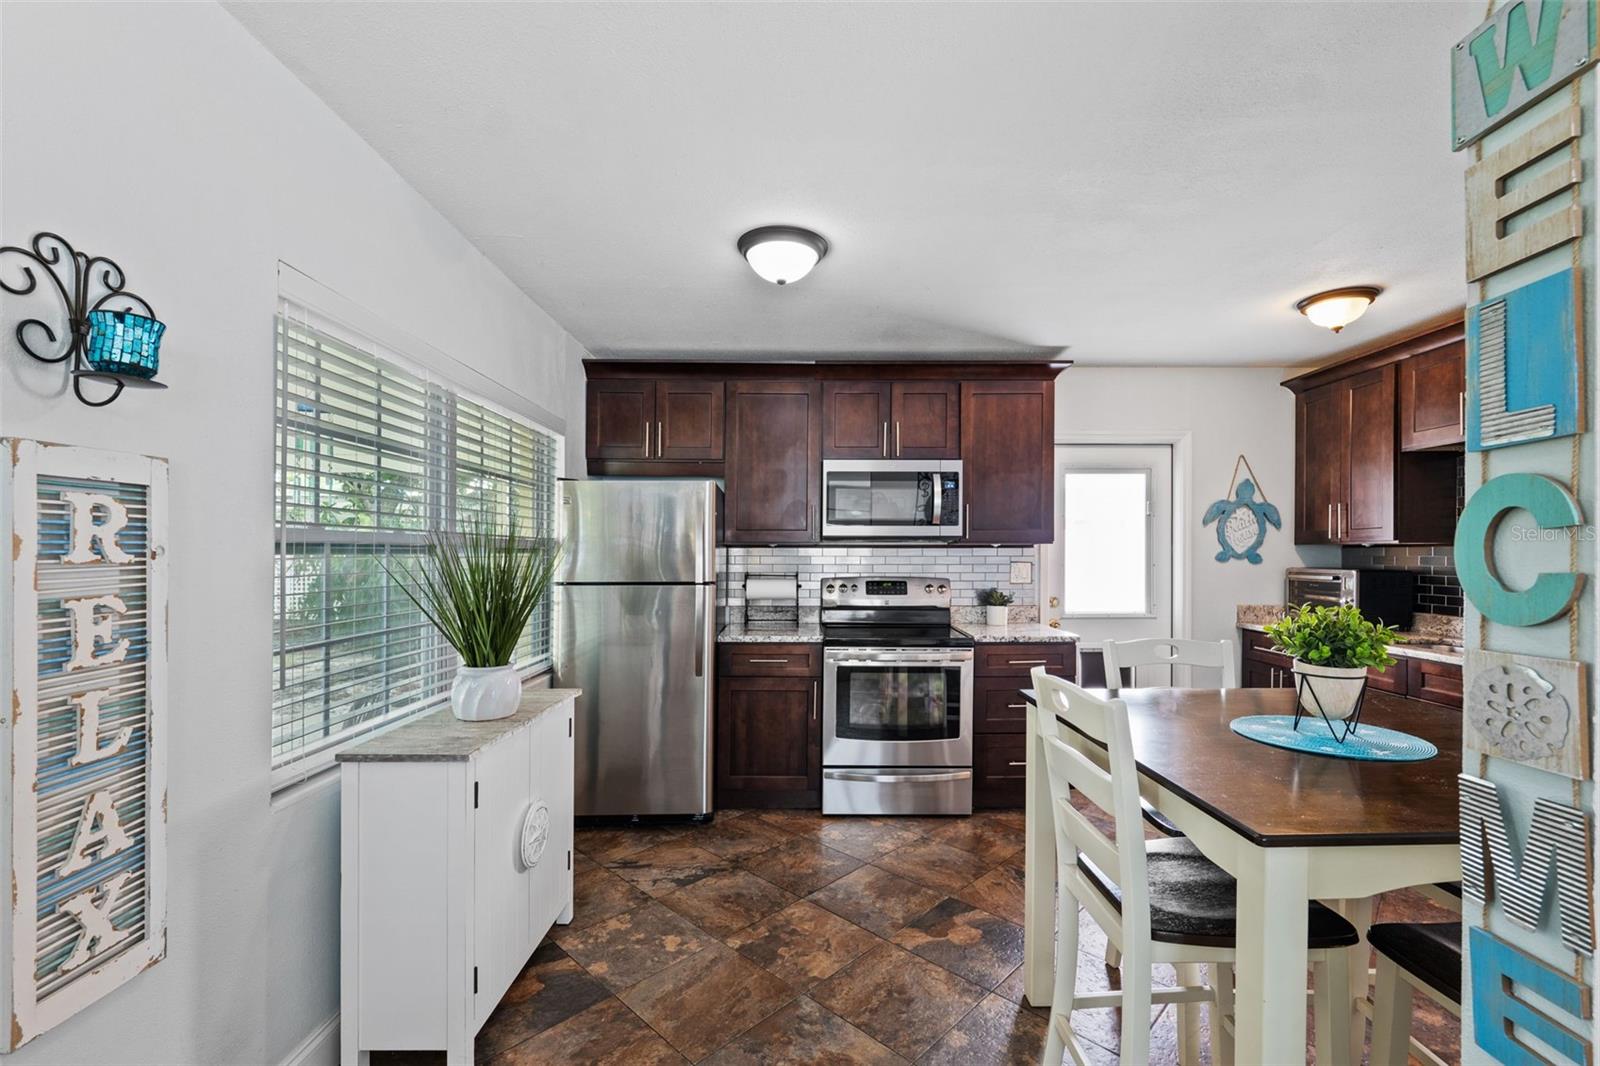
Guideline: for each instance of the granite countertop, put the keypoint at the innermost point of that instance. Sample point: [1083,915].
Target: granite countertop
[1399,651]
[1017,633]
[442,737]
[794,633]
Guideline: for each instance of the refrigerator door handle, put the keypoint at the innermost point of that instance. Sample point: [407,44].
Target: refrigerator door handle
[699,633]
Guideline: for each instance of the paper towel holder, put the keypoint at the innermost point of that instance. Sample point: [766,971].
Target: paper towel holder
[772,612]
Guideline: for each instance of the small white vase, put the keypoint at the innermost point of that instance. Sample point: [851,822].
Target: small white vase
[484,693]
[995,616]
[1337,689]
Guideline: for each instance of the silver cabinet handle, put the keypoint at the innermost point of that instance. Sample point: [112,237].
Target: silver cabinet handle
[1017,763]
[966,520]
[647,440]
[897,438]
[1341,519]
[895,779]
[886,440]
[1027,662]
[813,701]
[1016,706]
[1330,521]
[658,440]
[766,660]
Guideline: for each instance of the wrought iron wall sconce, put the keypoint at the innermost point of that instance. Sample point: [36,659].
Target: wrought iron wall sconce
[111,336]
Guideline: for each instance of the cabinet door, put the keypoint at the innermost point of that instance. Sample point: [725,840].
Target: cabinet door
[502,909]
[774,470]
[1257,674]
[1368,513]
[999,769]
[1393,679]
[769,741]
[621,417]
[927,420]
[855,420]
[1007,430]
[689,420]
[1319,445]
[1434,682]
[1433,398]
[998,706]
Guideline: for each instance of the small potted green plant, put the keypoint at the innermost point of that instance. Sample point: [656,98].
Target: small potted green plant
[1333,648]
[479,588]
[994,603]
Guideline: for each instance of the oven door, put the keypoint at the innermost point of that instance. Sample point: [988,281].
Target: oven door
[903,498]
[897,707]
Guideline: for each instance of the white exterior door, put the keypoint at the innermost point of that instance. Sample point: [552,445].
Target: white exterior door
[1108,575]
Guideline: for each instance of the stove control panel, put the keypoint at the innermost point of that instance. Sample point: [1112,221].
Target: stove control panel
[860,591]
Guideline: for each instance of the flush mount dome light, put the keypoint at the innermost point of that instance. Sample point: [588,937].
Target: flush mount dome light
[1337,308]
[782,254]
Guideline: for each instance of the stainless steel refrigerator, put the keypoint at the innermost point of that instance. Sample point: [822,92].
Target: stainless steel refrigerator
[635,623]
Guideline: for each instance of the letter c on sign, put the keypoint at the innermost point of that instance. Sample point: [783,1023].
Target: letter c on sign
[1552,507]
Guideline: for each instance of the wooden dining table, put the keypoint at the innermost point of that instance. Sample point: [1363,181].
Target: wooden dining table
[1290,827]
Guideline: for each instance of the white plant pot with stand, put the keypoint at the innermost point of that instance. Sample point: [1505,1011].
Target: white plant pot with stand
[1334,693]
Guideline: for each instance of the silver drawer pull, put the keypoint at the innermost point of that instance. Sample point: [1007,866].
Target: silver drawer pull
[766,660]
[1028,662]
[1016,706]
[1016,764]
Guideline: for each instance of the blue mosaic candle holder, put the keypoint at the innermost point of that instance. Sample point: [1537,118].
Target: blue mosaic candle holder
[121,342]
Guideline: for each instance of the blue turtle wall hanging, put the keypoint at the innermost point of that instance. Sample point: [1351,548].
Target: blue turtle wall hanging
[1242,520]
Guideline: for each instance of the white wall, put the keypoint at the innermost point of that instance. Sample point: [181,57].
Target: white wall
[164,136]
[1225,412]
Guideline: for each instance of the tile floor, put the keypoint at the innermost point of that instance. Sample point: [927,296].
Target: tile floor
[780,937]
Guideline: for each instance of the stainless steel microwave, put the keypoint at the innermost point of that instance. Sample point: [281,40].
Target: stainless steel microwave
[899,498]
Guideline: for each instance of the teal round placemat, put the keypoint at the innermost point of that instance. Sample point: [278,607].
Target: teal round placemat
[1369,742]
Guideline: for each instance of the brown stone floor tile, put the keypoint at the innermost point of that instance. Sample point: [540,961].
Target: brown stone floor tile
[1014,818]
[996,1033]
[702,1002]
[803,943]
[738,837]
[727,901]
[999,892]
[899,1000]
[599,894]
[623,950]
[864,838]
[987,838]
[605,845]
[791,821]
[801,864]
[550,989]
[805,1034]
[607,1034]
[936,865]
[923,825]
[875,899]
[968,942]
[668,867]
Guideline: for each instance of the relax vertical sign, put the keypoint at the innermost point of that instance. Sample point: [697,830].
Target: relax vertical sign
[85,667]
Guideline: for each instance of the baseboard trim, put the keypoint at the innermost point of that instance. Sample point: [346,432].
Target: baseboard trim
[319,1048]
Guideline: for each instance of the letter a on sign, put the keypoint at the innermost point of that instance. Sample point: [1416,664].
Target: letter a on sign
[98,827]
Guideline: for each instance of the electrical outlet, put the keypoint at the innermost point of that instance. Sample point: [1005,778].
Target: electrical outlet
[1022,573]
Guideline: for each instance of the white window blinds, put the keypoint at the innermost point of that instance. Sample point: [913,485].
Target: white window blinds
[371,455]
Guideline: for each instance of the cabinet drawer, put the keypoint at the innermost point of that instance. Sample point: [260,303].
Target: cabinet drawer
[1259,646]
[770,660]
[1395,679]
[1018,660]
[997,706]
[999,770]
[1434,682]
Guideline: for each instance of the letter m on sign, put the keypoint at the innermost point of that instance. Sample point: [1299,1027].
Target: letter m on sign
[1534,56]
[1558,842]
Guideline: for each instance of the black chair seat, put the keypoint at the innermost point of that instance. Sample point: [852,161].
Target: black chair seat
[1194,901]
[1429,951]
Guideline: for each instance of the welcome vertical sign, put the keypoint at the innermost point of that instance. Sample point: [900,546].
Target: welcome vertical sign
[81,749]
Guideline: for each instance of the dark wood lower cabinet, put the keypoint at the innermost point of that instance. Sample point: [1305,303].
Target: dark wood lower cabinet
[1000,715]
[1433,682]
[768,729]
[999,770]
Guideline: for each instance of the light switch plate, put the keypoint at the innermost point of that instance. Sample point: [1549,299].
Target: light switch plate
[1022,573]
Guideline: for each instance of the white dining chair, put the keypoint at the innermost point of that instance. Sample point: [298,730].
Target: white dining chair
[1425,956]
[1158,901]
[1130,655]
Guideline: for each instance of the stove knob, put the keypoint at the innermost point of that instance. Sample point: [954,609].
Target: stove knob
[855,588]
[927,588]
[943,589]
[829,590]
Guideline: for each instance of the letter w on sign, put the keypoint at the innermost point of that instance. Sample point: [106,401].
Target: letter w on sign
[1558,841]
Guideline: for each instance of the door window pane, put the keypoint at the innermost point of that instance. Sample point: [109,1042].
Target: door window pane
[1105,544]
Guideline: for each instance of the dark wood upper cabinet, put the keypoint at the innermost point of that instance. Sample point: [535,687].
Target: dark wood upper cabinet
[926,420]
[1008,468]
[1433,399]
[774,462]
[689,416]
[1355,480]
[620,418]
[855,419]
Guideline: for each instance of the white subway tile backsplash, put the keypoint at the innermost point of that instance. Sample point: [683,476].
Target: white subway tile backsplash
[968,570]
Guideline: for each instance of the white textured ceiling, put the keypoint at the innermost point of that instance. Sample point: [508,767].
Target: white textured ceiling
[1136,183]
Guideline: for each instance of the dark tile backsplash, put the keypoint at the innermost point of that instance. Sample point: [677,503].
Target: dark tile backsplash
[1438,591]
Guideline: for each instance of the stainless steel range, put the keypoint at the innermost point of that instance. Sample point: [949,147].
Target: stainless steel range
[897,694]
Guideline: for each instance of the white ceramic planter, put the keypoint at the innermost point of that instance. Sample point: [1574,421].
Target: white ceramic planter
[484,693]
[1337,688]
[995,616]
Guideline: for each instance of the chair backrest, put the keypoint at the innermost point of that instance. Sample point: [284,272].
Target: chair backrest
[1113,788]
[1129,655]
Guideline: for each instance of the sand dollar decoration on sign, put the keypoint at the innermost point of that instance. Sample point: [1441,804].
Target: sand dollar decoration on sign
[1519,712]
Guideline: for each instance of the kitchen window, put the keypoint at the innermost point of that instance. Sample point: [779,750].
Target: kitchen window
[371,454]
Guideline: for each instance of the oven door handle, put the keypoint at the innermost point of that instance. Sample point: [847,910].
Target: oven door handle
[898,662]
[895,779]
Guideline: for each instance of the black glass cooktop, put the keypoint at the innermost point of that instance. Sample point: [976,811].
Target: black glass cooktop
[892,636]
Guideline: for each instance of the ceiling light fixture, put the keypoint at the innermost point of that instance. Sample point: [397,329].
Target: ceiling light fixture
[782,254]
[1337,308]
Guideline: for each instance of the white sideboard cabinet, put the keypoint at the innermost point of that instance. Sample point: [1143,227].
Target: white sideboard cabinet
[455,860]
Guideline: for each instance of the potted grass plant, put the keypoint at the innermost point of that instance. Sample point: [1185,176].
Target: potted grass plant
[995,604]
[1333,648]
[479,588]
